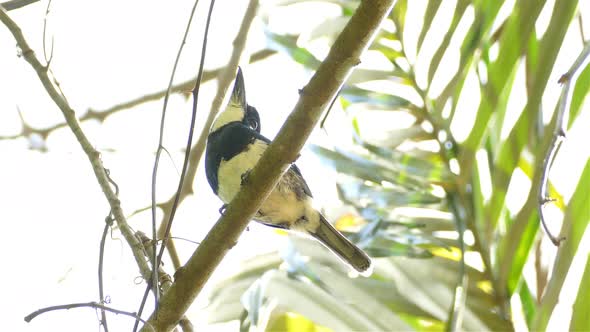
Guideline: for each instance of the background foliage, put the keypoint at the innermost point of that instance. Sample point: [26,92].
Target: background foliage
[450,123]
[438,141]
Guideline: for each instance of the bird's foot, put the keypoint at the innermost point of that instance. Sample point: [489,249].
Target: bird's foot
[222,209]
[245,177]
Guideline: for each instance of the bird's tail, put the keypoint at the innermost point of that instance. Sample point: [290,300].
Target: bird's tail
[341,246]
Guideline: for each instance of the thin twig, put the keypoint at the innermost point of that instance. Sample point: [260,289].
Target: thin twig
[94,305]
[155,261]
[315,98]
[189,143]
[142,304]
[50,58]
[88,148]
[164,279]
[195,92]
[103,317]
[559,133]
[47,59]
[107,226]
[196,152]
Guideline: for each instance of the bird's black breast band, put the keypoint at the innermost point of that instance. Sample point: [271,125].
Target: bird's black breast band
[224,144]
[232,139]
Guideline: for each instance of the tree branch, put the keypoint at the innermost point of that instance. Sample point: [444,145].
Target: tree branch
[315,97]
[101,115]
[93,156]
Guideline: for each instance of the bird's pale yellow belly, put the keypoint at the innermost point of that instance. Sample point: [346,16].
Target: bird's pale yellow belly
[282,206]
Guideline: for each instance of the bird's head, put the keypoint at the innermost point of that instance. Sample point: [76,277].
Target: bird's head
[237,109]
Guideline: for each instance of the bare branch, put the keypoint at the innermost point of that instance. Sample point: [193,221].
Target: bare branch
[559,132]
[100,115]
[94,305]
[156,259]
[88,148]
[315,97]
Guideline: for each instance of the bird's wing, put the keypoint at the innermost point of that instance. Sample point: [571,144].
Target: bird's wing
[304,185]
[296,173]
[294,169]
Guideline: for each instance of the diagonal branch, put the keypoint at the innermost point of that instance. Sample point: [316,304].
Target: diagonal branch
[315,97]
[93,156]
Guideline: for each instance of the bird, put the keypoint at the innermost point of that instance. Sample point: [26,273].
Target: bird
[234,146]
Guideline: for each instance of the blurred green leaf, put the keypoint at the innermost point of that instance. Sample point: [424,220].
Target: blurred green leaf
[362,168]
[329,29]
[430,288]
[398,14]
[391,54]
[391,139]
[361,75]
[431,169]
[224,299]
[387,101]
[580,93]
[517,244]
[294,322]
[384,197]
[444,45]
[288,44]
[431,10]
[514,38]
[581,307]
[529,304]
[358,313]
[398,177]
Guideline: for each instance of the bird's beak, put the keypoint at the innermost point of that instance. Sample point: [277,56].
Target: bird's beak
[238,95]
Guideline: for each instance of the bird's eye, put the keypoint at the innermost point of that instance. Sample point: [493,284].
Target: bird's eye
[254,125]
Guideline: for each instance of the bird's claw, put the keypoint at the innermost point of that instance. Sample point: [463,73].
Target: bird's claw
[222,209]
[245,177]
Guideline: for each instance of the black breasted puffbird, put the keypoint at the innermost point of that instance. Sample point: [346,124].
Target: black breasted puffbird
[234,147]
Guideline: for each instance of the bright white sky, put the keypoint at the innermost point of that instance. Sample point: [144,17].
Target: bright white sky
[108,52]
